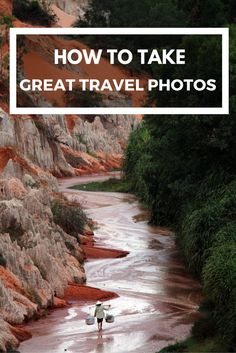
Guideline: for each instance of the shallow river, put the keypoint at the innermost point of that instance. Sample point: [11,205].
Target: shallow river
[157,298]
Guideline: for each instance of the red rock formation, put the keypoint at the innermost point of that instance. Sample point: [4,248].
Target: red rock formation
[59,303]
[70,122]
[6,153]
[94,252]
[39,258]
[86,293]
[32,151]
[20,333]
[11,281]
[6,7]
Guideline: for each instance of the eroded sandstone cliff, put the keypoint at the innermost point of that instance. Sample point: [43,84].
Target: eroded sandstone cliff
[37,258]
[72,7]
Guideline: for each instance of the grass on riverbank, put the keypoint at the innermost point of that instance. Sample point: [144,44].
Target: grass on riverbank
[110,185]
[193,345]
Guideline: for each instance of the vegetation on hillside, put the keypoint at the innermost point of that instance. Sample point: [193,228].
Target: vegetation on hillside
[79,98]
[69,215]
[150,13]
[110,185]
[184,167]
[35,12]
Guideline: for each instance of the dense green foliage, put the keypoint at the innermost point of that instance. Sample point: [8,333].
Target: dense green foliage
[35,12]
[220,283]
[134,13]
[202,52]
[110,185]
[69,216]
[79,98]
[162,13]
[194,345]
[153,13]
[6,20]
[184,169]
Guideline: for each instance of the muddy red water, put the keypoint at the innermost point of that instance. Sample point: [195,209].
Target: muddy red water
[157,298]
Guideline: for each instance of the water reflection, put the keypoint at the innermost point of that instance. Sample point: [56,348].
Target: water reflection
[157,298]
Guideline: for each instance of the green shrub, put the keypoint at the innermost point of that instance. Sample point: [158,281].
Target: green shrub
[33,12]
[69,246]
[3,261]
[197,234]
[219,279]
[203,227]
[226,234]
[7,20]
[110,185]
[69,216]
[204,327]
[79,98]
[80,137]
[137,164]
[212,344]
[177,347]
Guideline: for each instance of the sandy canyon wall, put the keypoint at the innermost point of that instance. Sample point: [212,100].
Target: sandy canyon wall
[72,7]
[37,258]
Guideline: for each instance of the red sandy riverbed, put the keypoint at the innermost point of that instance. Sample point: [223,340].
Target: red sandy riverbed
[85,293]
[94,252]
[157,300]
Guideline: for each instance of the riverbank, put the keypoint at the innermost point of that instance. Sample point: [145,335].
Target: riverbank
[157,300]
[202,338]
[114,184]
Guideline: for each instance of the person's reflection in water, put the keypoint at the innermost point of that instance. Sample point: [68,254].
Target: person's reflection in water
[103,342]
[100,343]
[99,334]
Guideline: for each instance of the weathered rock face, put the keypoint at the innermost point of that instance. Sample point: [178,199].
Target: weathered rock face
[106,133]
[39,146]
[72,7]
[35,260]
[7,339]
[33,142]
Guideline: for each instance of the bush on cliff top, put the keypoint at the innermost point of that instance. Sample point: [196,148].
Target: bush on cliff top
[69,216]
[33,12]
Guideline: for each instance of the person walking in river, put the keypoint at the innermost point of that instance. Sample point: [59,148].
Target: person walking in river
[100,313]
